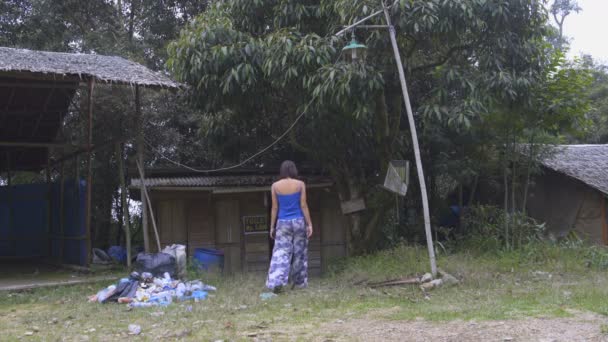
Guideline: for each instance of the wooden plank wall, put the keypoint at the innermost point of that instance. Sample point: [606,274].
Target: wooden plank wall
[199,219]
[257,246]
[228,232]
[201,224]
[314,244]
[333,235]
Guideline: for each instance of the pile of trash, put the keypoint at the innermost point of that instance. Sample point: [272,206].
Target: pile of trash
[145,290]
[155,282]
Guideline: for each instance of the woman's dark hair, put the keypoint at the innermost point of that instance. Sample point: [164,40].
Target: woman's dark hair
[288,170]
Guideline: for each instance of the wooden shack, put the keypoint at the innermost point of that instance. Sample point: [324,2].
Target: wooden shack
[232,213]
[570,194]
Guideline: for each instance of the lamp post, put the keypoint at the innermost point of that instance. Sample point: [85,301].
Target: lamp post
[410,117]
[355,49]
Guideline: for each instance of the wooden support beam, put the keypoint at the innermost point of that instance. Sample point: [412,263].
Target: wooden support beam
[604,221]
[41,115]
[40,76]
[84,149]
[49,199]
[89,193]
[9,100]
[140,160]
[141,175]
[61,210]
[6,108]
[123,201]
[10,192]
[64,85]
[35,144]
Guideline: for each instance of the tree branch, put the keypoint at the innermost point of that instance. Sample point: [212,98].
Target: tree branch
[444,59]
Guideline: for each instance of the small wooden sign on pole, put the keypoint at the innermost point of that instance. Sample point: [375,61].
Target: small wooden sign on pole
[353,206]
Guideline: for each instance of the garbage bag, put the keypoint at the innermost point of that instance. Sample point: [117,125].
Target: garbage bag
[179,252]
[100,257]
[125,288]
[118,253]
[156,263]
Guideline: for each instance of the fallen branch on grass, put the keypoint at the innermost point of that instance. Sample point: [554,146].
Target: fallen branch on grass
[396,282]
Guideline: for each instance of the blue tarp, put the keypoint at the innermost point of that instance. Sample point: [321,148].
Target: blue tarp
[25,215]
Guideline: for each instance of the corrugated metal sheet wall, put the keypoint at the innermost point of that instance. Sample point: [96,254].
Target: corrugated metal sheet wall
[30,222]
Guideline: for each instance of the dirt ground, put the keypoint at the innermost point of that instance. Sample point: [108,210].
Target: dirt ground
[581,327]
[29,274]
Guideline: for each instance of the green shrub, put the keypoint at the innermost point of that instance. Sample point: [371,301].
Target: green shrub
[489,228]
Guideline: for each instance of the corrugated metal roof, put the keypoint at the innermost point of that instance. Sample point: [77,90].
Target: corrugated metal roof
[218,181]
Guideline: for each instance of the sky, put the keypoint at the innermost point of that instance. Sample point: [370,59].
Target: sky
[588,30]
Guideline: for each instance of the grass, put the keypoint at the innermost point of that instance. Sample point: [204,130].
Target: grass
[544,281]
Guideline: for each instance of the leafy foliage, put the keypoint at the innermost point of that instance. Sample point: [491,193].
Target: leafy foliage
[260,63]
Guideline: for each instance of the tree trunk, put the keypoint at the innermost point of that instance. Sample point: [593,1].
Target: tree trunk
[526,188]
[355,218]
[506,204]
[132,20]
[119,216]
[473,190]
[119,11]
[513,185]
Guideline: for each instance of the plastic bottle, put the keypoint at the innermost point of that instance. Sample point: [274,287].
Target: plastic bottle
[162,298]
[196,295]
[142,304]
[180,290]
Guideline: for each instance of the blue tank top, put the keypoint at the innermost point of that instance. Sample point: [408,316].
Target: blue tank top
[289,206]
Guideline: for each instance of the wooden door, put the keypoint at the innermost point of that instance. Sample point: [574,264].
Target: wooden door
[228,233]
[172,222]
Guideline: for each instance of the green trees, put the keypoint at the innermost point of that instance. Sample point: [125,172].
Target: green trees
[483,75]
[257,64]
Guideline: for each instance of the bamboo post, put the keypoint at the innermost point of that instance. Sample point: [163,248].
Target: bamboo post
[89,169]
[412,124]
[143,186]
[49,202]
[61,211]
[123,201]
[9,183]
[604,221]
[140,161]
[77,213]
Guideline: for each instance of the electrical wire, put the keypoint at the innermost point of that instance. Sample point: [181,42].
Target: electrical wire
[262,151]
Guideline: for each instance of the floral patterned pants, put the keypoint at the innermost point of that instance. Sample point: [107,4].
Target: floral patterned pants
[290,253]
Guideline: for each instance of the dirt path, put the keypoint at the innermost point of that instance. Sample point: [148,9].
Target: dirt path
[581,327]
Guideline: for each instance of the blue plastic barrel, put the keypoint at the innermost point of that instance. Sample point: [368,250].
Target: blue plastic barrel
[209,258]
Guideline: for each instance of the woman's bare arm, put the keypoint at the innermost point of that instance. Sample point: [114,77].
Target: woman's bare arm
[273,211]
[304,206]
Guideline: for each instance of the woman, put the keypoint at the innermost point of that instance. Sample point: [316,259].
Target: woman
[293,229]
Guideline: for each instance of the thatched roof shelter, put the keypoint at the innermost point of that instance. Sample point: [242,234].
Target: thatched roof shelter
[108,69]
[587,163]
[36,88]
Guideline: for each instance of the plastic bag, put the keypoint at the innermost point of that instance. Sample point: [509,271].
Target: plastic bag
[118,253]
[100,257]
[155,263]
[179,252]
